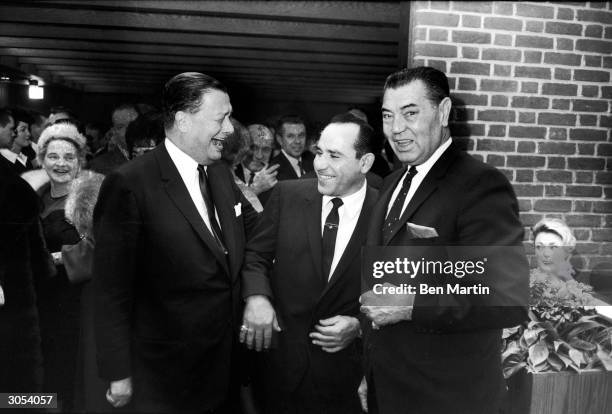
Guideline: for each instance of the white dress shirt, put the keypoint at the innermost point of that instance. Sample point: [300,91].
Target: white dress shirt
[422,171]
[348,214]
[188,169]
[294,163]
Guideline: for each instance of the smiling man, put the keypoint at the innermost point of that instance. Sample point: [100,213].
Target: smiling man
[294,161]
[170,230]
[301,279]
[440,353]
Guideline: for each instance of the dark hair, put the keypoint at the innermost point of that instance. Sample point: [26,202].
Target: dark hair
[288,119]
[126,107]
[20,115]
[37,118]
[184,92]
[366,139]
[5,116]
[435,81]
[143,128]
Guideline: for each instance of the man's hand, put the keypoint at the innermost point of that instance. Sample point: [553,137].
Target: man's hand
[362,391]
[335,333]
[265,179]
[120,392]
[386,309]
[257,323]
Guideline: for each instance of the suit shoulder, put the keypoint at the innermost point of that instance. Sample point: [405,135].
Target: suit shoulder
[293,188]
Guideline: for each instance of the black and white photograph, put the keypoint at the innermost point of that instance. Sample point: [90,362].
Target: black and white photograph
[305,207]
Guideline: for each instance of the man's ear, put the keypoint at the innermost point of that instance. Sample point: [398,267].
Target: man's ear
[365,162]
[182,121]
[445,108]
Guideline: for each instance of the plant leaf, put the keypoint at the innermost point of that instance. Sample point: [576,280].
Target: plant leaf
[583,345]
[538,353]
[577,357]
[604,358]
[555,362]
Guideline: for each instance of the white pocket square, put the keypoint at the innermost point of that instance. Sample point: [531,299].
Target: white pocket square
[421,232]
[238,209]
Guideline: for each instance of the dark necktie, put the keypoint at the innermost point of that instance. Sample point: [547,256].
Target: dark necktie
[210,207]
[300,167]
[329,236]
[251,178]
[398,204]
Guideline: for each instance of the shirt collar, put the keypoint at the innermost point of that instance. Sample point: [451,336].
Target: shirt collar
[8,154]
[424,168]
[183,162]
[292,159]
[351,203]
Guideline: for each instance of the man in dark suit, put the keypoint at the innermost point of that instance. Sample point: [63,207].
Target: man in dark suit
[24,260]
[440,353]
[170,229]
[301,275]
[293,160]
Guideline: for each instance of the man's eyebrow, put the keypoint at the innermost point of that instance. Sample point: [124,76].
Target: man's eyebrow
[410,105]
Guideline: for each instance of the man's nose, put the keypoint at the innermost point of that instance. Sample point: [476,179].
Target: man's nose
[399,124]
[228,128]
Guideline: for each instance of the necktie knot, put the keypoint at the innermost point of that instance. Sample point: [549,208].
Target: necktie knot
[337,202]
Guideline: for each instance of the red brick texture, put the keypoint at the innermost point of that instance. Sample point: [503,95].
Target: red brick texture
[532,94]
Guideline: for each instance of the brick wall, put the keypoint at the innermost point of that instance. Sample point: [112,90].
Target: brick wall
[531,84]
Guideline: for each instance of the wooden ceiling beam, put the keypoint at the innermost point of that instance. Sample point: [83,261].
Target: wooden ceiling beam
[42,13]
[227,74]
[211,67]
[193,50]
[197,60]
[329,11]
[152,37]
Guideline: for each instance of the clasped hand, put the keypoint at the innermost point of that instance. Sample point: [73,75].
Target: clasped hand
[335,333]
[386,309]
[258,321]
[120,392]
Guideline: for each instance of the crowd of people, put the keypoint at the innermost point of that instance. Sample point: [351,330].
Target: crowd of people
[184,262]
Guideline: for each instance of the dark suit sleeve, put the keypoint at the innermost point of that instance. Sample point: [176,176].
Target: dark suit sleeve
[261,248]
[488,217]
[117,230]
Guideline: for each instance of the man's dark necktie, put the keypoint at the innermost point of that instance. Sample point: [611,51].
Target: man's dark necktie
[251,178]
[210,207]
[302,172]
[329,236]
[396,209]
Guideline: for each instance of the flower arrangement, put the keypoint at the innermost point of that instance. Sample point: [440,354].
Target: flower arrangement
[563,333]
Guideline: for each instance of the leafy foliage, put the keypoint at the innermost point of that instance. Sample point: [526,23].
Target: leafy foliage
[563,334]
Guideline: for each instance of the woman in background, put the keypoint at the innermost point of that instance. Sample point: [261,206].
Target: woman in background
[61,154]
[554,244]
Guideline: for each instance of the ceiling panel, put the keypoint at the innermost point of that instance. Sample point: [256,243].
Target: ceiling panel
[321,51]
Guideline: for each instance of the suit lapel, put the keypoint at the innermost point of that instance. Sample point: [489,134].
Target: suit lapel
[427,187]
[313,229]
[223,197]
[380,211]
[177,192]
[357,240]
[286,165]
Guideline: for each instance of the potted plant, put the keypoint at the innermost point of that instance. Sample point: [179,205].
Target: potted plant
[561,359]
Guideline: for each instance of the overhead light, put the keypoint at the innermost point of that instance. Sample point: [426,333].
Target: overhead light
[4,79]
[35,91]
